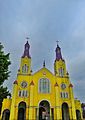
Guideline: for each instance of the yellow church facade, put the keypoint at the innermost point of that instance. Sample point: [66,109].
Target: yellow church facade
[42,95]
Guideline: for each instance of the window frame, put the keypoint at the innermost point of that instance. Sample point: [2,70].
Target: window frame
[64,95]
[23,93]
[44,86]
[61,72]
[25,68]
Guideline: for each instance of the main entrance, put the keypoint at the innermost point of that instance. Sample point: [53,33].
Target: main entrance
[44,110]
[22,111]
[65,112]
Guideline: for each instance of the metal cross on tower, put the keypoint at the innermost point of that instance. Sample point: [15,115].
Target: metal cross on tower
[27,38]
[57,42]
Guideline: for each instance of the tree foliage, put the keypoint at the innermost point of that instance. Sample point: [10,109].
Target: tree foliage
[4,73]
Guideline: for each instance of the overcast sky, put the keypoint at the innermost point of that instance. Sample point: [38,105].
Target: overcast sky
[44,22]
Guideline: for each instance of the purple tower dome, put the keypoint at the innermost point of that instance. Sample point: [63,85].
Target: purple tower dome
[26,50]
[58,53]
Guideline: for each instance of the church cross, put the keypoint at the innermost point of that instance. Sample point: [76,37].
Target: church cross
[57,42]
[27,38]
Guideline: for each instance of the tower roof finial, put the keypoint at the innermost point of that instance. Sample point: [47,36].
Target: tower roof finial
[27,38]
[58,52]
[26,49]
[44,63]
[57,42]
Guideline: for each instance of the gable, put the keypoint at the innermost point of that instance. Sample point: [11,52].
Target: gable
[43,71]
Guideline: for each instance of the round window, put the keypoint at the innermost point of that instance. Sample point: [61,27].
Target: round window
[63,86]
[24,84]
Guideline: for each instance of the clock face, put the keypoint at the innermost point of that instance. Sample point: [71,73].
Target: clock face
[63,86]
[24,84]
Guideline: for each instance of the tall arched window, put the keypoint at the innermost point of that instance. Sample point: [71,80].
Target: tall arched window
[61,72]
[25,68]
[23,93]
[44,85]
[64,95]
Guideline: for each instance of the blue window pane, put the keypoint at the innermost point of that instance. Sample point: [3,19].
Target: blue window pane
[25,68]
[44,85]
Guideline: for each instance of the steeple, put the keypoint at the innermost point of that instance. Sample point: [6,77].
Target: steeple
[58,53]
[25,66]
[26,50]
[59,64]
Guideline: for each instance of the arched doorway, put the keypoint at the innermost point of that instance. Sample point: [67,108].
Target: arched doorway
[78,115]
[22,111]
[65,112]
[44,110]
[6,114]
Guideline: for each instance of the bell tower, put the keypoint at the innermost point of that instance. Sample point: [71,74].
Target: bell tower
[59,64]
[25,66]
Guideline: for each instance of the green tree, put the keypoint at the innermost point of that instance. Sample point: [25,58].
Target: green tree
[4,74]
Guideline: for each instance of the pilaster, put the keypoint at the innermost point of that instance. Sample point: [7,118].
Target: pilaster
[31,111]
[72,102]
[13,107]
[57,95]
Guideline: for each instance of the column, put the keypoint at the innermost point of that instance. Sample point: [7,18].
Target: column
[37,116]
[16,112]
[31,101]
[70,112]
[57,95]
[54,113]
[4,116]
[27,113]
[50,114]
[13,107]
[72,103]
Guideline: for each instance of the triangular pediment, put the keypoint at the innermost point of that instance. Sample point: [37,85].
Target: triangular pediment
[44,71]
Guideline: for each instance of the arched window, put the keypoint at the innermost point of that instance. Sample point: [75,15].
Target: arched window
[44,85]
[23,93]
[64,95]
[19,93]
[61,72]
[25,68]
